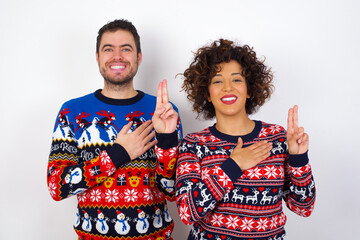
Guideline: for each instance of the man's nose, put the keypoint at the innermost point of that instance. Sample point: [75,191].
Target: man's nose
[118,54]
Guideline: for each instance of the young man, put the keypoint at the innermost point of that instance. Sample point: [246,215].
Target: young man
[104,151]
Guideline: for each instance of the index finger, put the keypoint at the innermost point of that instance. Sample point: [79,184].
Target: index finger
[165,97]
[290,120]
[143,126]
[296,120]
[158,94]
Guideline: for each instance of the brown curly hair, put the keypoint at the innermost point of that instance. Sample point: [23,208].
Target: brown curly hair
[198,76]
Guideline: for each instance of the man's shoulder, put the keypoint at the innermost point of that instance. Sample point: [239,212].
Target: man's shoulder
[152,99]
[76,105]
[85,99]
[148,96]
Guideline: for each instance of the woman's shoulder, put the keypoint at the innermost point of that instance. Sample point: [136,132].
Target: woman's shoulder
[200,136]
[271,128]
[203,132]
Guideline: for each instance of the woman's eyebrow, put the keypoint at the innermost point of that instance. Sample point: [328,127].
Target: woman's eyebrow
[236,73]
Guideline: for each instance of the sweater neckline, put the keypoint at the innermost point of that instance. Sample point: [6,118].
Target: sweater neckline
[232,138]
[113,101]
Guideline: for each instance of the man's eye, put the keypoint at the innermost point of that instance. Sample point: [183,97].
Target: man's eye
[107,50]
[126,49]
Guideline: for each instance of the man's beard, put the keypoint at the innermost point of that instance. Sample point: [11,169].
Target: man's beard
[120,81]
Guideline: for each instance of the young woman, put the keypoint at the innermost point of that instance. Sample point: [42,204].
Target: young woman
[232,177]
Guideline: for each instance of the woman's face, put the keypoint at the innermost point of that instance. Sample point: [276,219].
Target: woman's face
[228,91]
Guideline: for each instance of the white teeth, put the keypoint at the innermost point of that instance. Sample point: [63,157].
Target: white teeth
[229,99]
[117,67]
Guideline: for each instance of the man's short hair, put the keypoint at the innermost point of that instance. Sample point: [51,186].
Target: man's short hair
[119,24]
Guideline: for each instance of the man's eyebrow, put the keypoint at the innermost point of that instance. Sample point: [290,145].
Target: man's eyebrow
[110,45]
[127,45]
[106,45]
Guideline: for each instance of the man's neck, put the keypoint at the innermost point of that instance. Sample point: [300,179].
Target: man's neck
[119,92]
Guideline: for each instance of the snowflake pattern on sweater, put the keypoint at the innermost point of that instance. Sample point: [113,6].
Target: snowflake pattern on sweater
[118,198]
[224,202]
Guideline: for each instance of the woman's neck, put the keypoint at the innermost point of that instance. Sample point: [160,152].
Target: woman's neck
[235,126]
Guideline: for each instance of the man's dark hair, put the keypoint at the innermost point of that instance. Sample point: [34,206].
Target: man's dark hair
[119,24]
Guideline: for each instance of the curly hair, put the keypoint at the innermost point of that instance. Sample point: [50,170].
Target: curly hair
[204,67]
[119,24]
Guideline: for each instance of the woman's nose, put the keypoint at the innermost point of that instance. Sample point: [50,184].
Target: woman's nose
[227,86]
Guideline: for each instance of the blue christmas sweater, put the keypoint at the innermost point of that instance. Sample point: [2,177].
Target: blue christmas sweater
[118,198]
[224,202]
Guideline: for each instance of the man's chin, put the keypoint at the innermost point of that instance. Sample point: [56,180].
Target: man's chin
[118,82]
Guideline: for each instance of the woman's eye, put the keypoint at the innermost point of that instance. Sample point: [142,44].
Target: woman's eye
[216,82]
[237,80]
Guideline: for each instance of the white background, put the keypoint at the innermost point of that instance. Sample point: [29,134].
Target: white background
[47,56]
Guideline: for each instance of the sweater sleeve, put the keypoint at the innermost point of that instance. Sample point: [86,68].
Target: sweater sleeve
[299,189]
[67,174]
[199,191]
[166,152]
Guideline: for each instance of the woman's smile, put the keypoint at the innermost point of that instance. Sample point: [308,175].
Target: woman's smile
[229,99]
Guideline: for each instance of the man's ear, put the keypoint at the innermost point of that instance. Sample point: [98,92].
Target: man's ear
[139,57]
[97,58]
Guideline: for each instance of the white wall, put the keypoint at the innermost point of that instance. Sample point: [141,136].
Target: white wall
[47,56]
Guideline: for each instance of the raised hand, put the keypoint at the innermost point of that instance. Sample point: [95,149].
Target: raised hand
[249,157]
[165,117]
[137,142]
[297,139]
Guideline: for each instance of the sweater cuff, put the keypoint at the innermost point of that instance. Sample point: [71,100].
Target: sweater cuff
[231,169]
[166,140]
[298,160]
[118,155]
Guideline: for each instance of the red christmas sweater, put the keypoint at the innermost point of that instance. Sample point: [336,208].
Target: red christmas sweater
[118,198]
[224,202]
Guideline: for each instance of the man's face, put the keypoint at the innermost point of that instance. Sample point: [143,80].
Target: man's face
[117,58]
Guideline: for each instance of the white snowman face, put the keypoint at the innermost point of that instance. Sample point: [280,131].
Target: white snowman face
[142,215]
[121,216]
[86,215]
[101,216]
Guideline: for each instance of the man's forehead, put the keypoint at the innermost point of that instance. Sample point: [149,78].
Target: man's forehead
[117,37]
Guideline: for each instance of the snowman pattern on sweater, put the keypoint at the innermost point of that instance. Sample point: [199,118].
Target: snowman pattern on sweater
[122,226]
[142,223]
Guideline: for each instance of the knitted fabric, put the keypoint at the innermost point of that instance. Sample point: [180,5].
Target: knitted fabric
[224,202]
[118,198]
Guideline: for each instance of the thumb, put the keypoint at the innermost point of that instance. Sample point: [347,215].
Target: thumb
[240,142]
